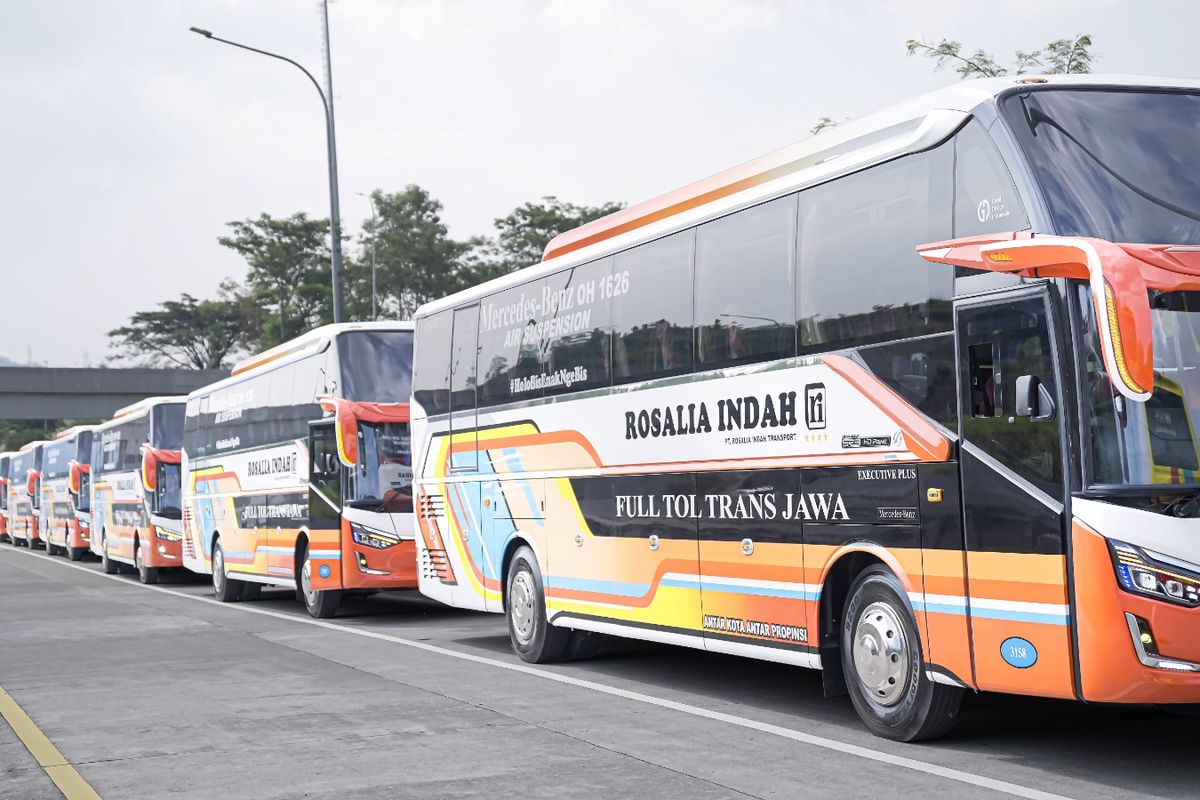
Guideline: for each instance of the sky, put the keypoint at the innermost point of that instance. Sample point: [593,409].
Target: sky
[127,143]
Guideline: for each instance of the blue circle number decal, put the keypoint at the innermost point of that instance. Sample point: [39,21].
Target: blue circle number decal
[323,571]
[1018,652]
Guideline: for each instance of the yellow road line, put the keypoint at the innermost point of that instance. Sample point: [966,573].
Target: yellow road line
[68,781]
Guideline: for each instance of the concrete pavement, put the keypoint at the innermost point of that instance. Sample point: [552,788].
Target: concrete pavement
[158,693]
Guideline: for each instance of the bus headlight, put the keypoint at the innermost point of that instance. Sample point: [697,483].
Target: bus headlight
[371,538]
[166,535]
[1152,574]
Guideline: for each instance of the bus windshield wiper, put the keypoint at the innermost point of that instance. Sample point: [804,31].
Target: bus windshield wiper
[1036,117]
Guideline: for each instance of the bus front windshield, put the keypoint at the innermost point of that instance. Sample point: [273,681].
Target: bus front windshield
[376,365]
[383,479]
[1155,443]
[1115,163]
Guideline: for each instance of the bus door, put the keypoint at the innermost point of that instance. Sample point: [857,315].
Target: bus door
[324,506]
[1012,484]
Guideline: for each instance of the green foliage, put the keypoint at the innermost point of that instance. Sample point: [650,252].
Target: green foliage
[287,289]
[1069,56]
[523,234]
[822,124]
[288,274]
[417,260]
[189,333]
[1059,57]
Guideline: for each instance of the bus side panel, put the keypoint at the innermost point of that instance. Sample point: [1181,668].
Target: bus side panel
[1017,575]
[944,564]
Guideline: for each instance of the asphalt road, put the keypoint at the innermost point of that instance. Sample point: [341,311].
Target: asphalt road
[162,692]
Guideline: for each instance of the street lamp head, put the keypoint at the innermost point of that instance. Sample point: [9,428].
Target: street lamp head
[201,31]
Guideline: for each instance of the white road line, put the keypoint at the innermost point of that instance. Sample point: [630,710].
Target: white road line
[970,778]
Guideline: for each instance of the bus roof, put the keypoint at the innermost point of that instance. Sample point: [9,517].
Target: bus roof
[30,446]
[74,430]
[139,408]
[314,341]
[911,126]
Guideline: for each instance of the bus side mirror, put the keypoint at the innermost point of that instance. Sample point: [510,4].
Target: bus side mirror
[31,486]
[1033,399]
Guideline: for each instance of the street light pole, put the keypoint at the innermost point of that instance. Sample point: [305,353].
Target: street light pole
[335,222]
[374,236]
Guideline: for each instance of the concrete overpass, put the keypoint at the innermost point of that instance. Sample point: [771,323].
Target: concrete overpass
[76,393]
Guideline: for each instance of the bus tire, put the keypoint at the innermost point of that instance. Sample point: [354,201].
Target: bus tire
[251,591]
[110,567]
[147,575]
[884,667]
[533,638]
[320,603]
[225,589]
[76,553]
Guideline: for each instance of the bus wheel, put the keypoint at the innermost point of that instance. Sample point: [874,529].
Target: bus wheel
[583,645]
[321,603]
[534,639]
[226,589]
[76,553]
[110,567]
[881,658]
[147,575]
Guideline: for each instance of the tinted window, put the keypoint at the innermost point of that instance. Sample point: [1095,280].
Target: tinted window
[745,297]
[921,371]
[376,365]
[56,459]
[578,354]
[985,199]
[861,279]
[1004,342]
[431,387]
[168,426]
[653,316]
[1116,164]
[464,348]
[510,343]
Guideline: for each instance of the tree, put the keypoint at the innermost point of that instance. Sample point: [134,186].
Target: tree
[822,124]
[189,333]
[416,259]
[289,274]
[1062,56]
[524,233]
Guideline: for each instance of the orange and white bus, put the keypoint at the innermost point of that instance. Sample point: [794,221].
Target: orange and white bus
[5,459]
[297,469]
[23,494]
[901,402]
[135,475]
[65,494]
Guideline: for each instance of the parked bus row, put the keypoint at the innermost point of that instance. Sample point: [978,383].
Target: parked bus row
[913,402]
[294,471]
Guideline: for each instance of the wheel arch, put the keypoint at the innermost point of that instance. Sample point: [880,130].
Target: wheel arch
[517,541]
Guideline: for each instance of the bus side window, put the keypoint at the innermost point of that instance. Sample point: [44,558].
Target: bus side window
[745,300]
[431,372]
[652,311]
[861,279]
[985,201]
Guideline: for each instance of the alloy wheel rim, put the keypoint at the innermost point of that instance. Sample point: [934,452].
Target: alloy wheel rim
[306,581]
[520,606]
[218,569]
[881,653]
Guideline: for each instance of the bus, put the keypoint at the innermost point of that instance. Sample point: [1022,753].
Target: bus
[135,487]
[23,492]
[297,469]
[913,402]
[65,496]
[5,458]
